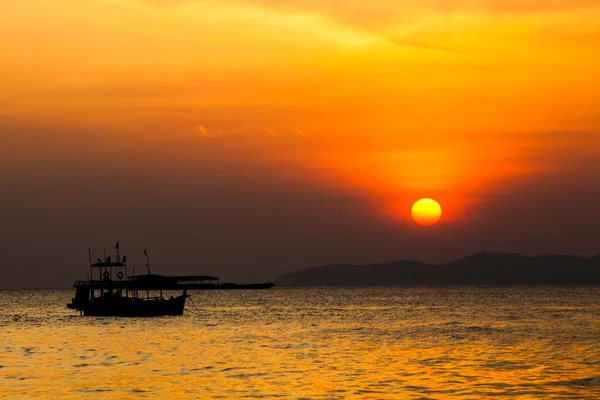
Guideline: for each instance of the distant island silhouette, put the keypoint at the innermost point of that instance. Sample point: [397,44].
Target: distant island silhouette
[484,268]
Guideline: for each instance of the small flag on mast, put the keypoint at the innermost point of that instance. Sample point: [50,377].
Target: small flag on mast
[145,252]
[124,259]
[117,246]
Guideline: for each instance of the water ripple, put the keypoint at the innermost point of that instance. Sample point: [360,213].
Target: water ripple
[321,343]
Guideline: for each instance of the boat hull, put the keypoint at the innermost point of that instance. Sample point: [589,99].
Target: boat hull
[130,307]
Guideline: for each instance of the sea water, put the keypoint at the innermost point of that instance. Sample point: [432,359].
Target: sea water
[311,343]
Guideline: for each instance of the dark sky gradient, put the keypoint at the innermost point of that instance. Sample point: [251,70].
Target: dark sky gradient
[248,221]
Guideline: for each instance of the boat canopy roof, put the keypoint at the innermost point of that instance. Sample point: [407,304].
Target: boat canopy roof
[195,278]
[186,278]
[108,264]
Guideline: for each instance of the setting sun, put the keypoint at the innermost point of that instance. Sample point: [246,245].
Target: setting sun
[426,212]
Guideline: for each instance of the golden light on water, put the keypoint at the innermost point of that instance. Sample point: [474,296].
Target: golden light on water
[426,212]
[356,343]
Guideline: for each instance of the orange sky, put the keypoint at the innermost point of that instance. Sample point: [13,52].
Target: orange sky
[387,101]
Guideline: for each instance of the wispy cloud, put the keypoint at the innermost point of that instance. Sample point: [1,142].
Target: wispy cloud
[425,45]
[203,131]
[270,131]
[382,14]
[298,131]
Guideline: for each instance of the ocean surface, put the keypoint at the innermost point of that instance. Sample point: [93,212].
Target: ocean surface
[311,343]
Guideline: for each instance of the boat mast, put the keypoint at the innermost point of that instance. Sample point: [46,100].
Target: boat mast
[91,276]
[91,270]
[118,259]
[147,266]
[147,262]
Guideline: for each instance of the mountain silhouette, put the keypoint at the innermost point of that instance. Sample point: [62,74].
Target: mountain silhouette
[595,260]
[484,268]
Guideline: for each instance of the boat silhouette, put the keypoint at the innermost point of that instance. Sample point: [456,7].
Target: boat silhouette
[116,294]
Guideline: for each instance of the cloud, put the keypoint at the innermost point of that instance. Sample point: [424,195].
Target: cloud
[383,14]
[270,131]
[420,44]
[203,132]
[298,132]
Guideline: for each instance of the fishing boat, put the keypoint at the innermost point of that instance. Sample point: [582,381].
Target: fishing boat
[111,292]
